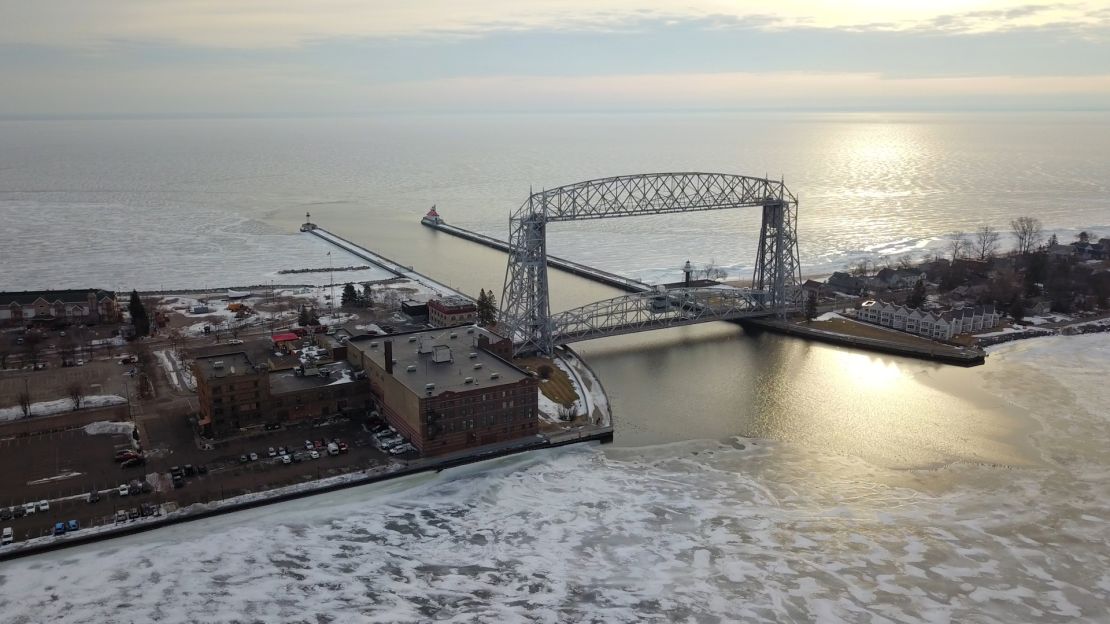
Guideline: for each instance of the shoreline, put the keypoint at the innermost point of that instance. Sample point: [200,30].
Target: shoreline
[200,511]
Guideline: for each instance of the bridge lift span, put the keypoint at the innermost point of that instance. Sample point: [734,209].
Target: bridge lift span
[525,306]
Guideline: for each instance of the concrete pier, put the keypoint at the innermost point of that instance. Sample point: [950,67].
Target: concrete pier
[610,279]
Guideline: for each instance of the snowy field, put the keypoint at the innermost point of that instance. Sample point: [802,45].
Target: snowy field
[60,406]
[124,247]
[701,531]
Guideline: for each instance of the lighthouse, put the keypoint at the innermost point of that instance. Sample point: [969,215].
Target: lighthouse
[432,217]
[688,269]
[308,225]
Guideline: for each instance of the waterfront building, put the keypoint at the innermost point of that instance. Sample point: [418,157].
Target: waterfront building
[449,389]
[929,324]
[451,310]
[236,396]
[89,306]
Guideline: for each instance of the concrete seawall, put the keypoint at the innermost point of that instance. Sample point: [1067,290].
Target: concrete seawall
[940,353]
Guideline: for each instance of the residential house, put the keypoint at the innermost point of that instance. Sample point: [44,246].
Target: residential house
[928,324]
[89,306]
[845,283]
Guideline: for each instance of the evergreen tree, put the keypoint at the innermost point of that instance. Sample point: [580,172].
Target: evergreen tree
[487,308]
[139,318]
[917,297]
[1053,241]
[1017,309]
[367,295]
[811,307]
[302,318]
[350,297]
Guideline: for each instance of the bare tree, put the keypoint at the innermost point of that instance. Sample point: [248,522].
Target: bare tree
[1027,231]
[986,242]
[862,268]
[5,353]
[566,413]
[25,403]
[76,394]
[905,261]
[958,245]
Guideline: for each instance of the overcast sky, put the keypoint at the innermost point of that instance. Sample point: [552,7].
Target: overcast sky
[95,57]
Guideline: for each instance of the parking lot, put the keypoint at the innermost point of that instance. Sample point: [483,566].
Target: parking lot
[64,467]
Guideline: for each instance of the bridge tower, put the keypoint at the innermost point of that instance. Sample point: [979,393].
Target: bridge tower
[525,305]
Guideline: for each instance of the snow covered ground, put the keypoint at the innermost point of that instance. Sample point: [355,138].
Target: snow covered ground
[60,406]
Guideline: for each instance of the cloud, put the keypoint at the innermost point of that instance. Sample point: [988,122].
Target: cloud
[285,23]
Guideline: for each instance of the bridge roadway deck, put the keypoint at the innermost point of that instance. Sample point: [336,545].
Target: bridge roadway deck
[610,279]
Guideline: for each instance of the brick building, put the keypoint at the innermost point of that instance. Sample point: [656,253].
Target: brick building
[448,390]
[231,392]
[451,311]
[236,395]
[89,306]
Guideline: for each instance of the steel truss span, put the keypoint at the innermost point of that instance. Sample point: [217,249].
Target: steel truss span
[655,310]
[525,305]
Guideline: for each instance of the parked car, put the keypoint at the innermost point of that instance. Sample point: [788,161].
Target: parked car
[243,459]
[175,471]
[308,445]
[59,528]
[235,341]
[343,448]
[133,513]
[190,470]
[19,511]
[202,469]
[254,456]
[285,459]
[317,445]
[29,509]
[72,525]
[126,454]
[93,496]
[402,448]
[5,513]
[388,443]
[121,516]
[133,462]
[135,488]
[296,458]
[314,454]
[124,490]
[333,449]
[282,450]
[7,537]
[271,452]
[44,506]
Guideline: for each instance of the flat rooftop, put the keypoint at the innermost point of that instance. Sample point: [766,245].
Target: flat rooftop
[286,381]
[447,376]
[234,364]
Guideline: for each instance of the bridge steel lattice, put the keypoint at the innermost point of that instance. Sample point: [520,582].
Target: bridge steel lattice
[525,304]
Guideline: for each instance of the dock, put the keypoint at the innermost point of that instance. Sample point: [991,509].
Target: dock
[378,260]
[609,279]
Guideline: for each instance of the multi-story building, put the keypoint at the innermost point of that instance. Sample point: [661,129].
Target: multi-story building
[937,326]
[236,395]
[451,310]
[59,306]
[448,390]
[231,392]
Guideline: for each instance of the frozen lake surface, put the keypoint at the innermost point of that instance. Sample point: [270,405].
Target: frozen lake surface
[699,531]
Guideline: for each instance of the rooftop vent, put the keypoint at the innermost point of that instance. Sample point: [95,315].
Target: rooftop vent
[468,380]
[430,386]
[495,375]
[454,335]
[373,345]
[412,338]
[411,368]
[472,355]
[477,366]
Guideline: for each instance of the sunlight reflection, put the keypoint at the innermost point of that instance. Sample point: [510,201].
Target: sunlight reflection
[867,372]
